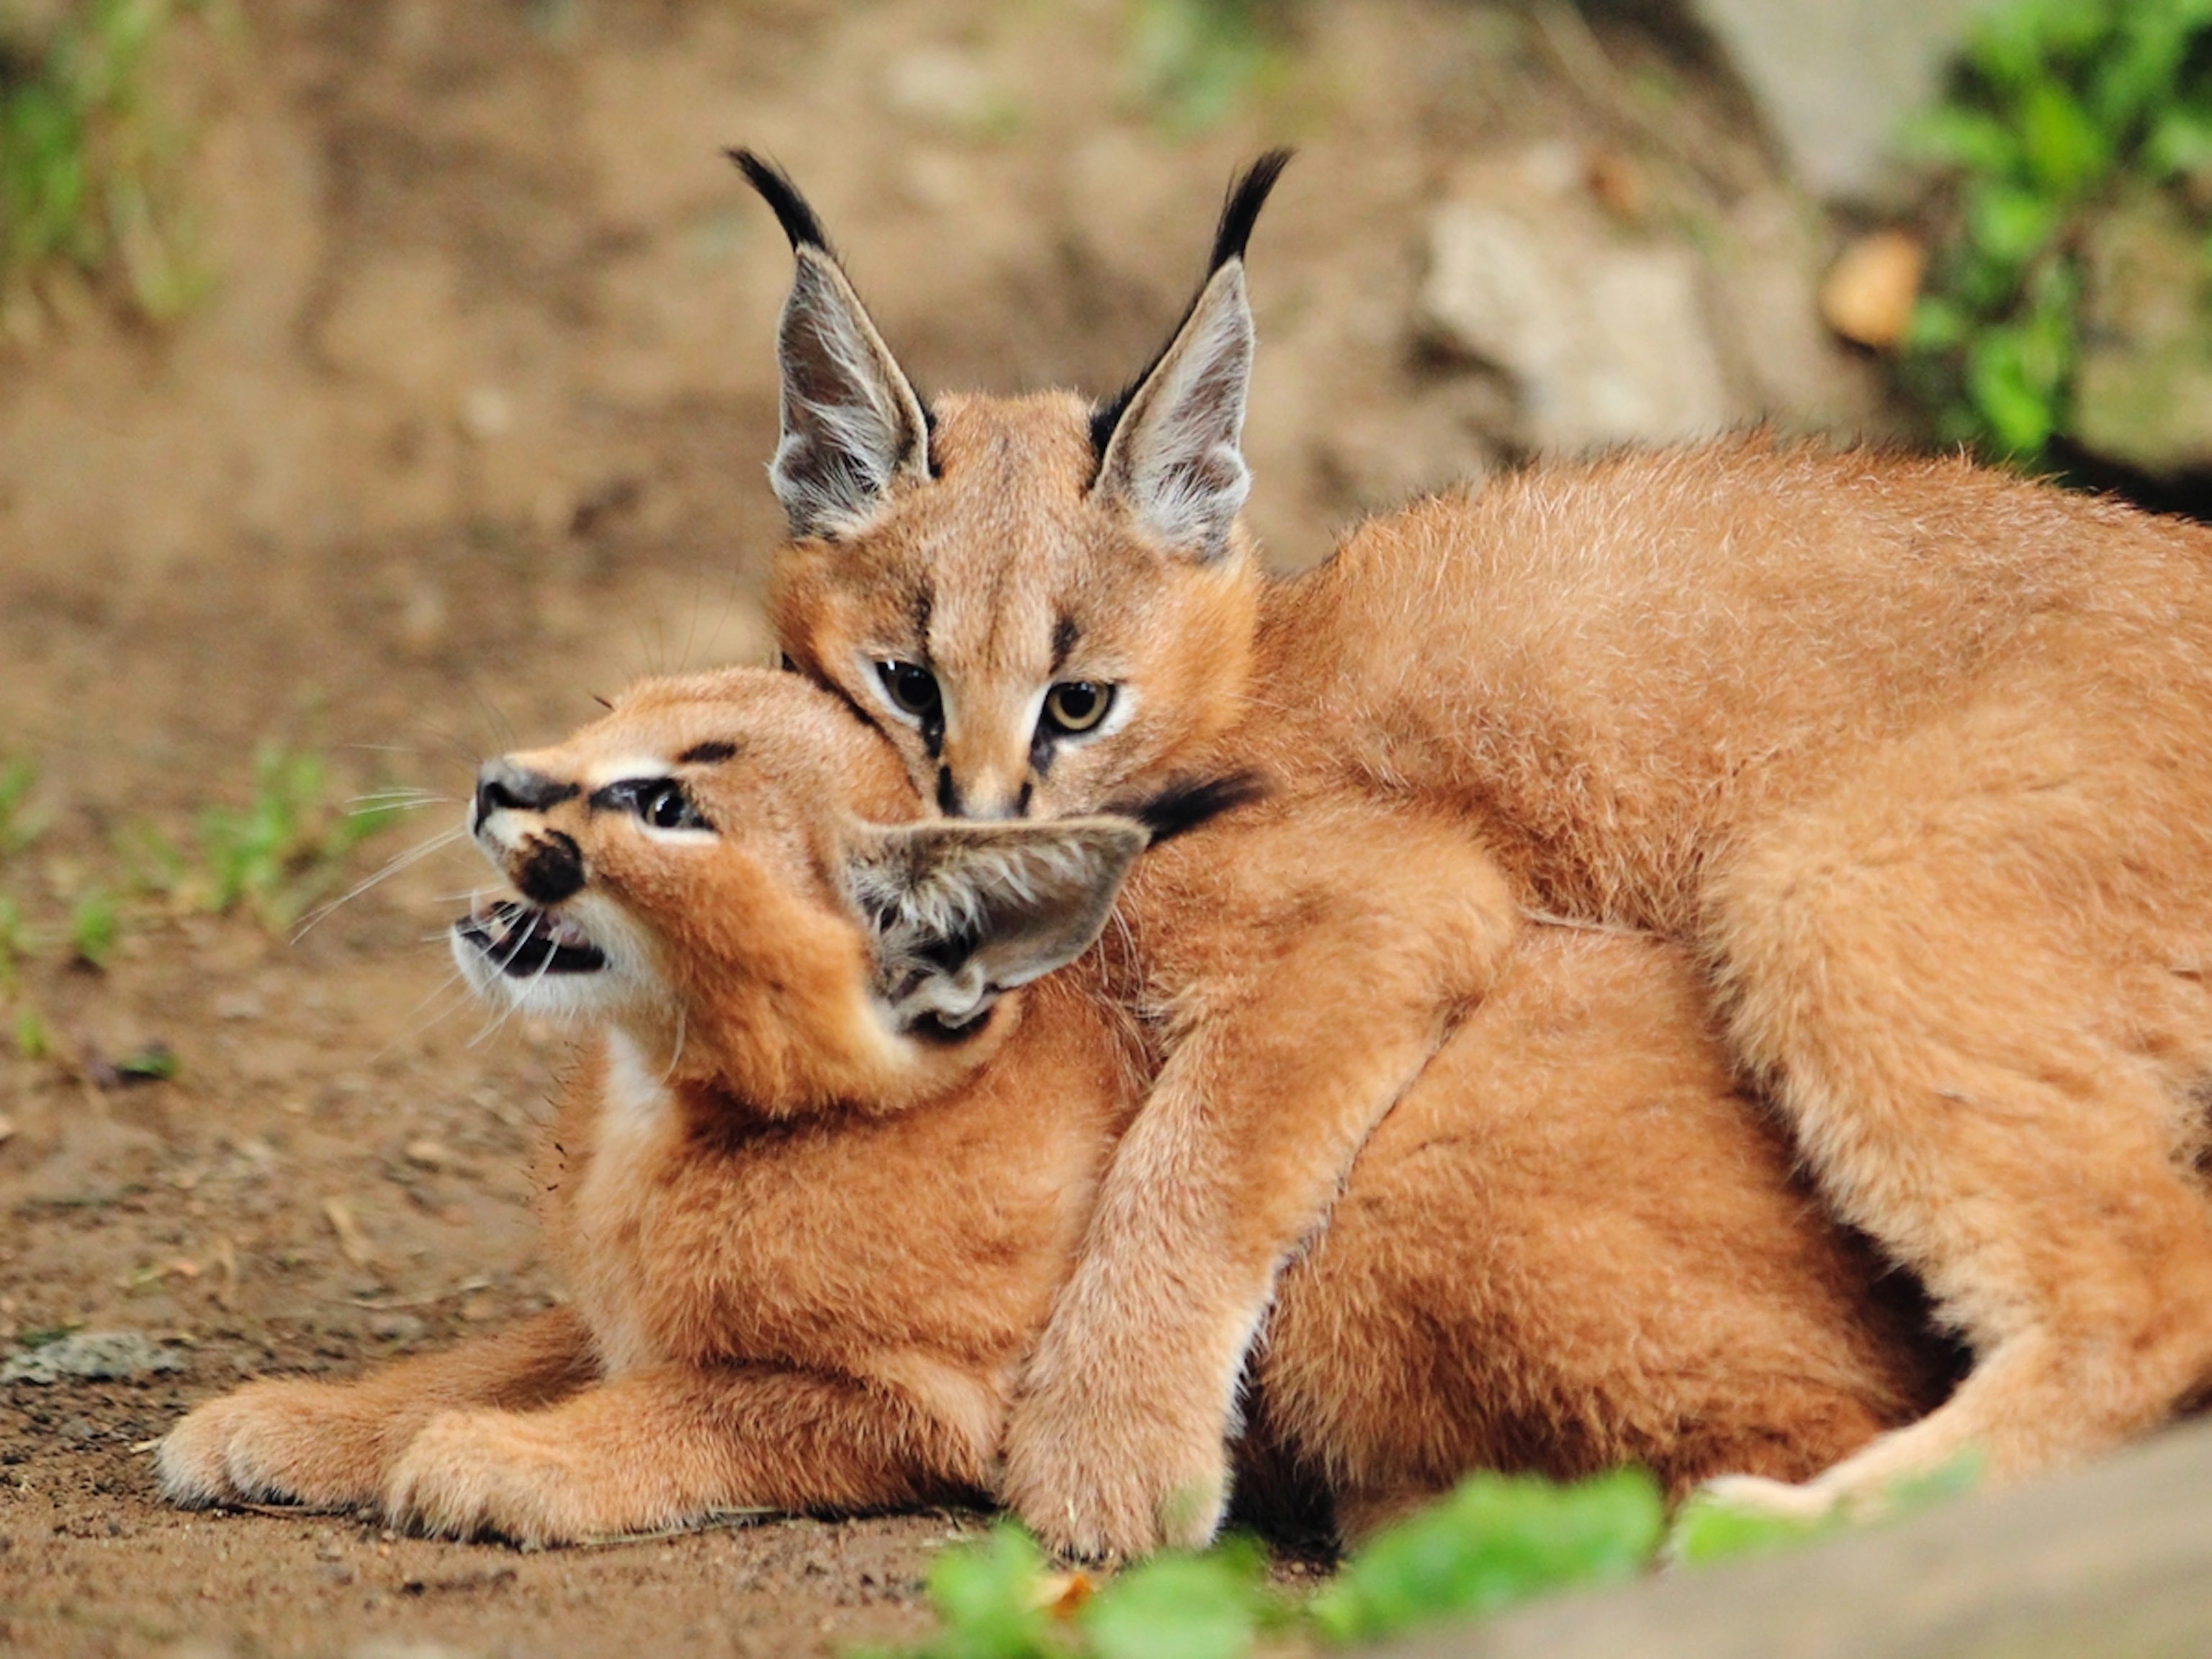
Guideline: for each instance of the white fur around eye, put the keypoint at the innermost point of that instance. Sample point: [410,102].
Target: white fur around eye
[683,836]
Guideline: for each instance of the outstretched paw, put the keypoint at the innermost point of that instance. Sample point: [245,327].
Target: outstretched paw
[306,1442]
[471,1473]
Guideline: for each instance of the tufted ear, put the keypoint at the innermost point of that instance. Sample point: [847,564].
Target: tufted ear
[962,913]
[1168,446]
[852,423]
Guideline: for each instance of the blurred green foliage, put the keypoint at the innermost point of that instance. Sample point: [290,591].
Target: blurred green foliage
[90,162]
[277,855]
[1710,1529]
[1496,1540]
[2053,104]
[1493,1541]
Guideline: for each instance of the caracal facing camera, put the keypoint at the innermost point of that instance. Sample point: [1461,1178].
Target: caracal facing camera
[823,1165]
[1915,756]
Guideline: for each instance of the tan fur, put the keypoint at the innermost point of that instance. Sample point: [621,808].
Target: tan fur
[1913,754]
[807,1257]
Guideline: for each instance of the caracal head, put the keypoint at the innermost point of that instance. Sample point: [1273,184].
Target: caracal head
[1047,605]
[728,867]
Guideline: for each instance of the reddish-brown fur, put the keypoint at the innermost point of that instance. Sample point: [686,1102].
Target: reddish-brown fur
[1915,756]
[807,1257]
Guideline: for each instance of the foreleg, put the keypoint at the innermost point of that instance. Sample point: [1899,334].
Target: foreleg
[1320,964]
[333,1444]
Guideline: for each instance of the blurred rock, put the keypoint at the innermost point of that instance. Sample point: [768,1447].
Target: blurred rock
[1869,296]
[1834,79]
[942,84]
[2109,1561]
[2142,388]
[1603,331]
[91,1357]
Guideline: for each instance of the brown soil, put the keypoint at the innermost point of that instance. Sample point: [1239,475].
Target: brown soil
[473,427]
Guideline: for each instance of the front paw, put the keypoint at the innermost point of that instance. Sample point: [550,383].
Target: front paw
[1109,1480]
[275,1441]
[472,1473]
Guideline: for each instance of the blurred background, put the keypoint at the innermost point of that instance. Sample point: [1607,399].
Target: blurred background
[381,379]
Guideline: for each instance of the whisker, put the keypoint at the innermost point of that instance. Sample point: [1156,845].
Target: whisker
[515,1002]
[682,1030]
[414,855]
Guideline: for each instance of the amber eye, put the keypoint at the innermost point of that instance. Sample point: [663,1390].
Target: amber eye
[1077,706]
[912,688]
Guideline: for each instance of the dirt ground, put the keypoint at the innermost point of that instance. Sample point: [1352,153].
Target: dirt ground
[473,427]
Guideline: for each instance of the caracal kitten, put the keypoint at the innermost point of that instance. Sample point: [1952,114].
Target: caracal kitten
[1916,756]
[823,1165]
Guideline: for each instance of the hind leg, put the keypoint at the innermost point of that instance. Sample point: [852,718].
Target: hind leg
[1968,995]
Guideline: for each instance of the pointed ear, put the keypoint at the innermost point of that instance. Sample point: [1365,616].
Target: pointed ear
[962,913]
[1168,446]
[851,423]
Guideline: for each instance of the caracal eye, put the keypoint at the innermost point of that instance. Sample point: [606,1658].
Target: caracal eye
[1074,706]
[912,688]
[662,803]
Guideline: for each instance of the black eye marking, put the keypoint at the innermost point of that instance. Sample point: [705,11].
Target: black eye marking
[948,792]
[659,802]
[1074,706]
[707,753]
[1065,634]
[913,691]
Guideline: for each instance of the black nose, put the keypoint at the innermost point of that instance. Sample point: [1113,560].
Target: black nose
[503,784]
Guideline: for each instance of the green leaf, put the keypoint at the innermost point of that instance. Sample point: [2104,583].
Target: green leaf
[155,1063]
[989,1595]
[32,1041]
[1495,1540]
[1710,1529]
[2013,397]
[95,925]
[1973,140]
[2009,226]
[2141,70]
[19,824]
[1937,326]
[1179,1606]
[2065,150]
[2180,140]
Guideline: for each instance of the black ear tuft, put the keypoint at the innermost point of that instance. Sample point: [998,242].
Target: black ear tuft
[790,209]
[1248,194]
[1186,805]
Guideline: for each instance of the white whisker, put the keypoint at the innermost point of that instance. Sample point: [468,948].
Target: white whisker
[413,855]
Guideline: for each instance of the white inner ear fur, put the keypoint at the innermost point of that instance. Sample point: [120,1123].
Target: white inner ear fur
[1174,456]
[851,421]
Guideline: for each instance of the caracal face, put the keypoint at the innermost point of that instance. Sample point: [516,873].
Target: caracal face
[717,868]
[1047,606]
[1028,650]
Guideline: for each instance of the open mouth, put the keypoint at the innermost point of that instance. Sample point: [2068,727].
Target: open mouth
[525,942]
